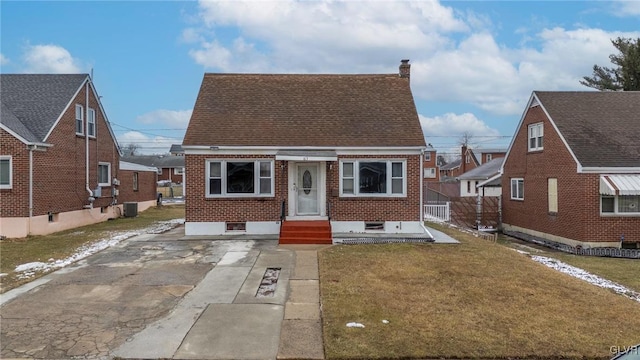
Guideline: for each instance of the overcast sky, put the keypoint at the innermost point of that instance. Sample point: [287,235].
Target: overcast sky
[474,63]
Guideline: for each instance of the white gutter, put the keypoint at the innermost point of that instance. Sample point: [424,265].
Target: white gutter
[86,140]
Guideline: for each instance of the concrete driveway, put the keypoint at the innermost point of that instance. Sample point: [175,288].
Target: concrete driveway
[166,296]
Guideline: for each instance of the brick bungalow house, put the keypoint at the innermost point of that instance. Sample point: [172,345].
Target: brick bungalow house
[572,171]
[170,167]
[325,153]
[431,168]
[59,159]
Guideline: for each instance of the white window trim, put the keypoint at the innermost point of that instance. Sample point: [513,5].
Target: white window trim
[178,171]
[530,128]
[91,114]
[615,208]
[75,124]
[489,157]
[427,156]
[10,184]
[356,177]
[516,180]
[108,165]
[223,176]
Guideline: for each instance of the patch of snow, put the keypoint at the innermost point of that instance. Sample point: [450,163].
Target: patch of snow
[385,321]
[3,274]
[584,275]
[28,270]
[355,325]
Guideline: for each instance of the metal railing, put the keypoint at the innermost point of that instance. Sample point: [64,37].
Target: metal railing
[438,212]
[328,211]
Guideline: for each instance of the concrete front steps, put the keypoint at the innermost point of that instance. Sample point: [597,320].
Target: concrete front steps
[305,232]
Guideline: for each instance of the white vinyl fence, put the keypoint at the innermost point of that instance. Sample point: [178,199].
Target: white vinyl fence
[437,212]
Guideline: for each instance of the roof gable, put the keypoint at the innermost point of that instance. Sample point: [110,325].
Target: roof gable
[36,101]
[303,111]
[600,128]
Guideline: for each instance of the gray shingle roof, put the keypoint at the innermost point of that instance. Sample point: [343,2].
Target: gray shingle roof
[484,171]
[159,161]
[601,128]
[36,101]
[304,110]
[452,165]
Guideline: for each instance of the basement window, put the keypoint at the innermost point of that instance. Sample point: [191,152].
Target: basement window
[236,226]
[374,226]
[52,217]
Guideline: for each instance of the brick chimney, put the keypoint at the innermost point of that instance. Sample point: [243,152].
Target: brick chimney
[405,68]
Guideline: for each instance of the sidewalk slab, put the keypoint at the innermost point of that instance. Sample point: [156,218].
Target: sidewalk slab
[304,291]
[234,331]
[301,339]
[301,311]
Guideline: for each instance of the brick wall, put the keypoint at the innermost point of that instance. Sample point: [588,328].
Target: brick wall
[201,209]
[578,215]
[147,181]
[15,201]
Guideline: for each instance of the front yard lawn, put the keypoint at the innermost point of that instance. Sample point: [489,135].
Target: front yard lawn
[476,299]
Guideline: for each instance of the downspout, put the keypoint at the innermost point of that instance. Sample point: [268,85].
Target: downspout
[31,148]
[86,141]
[422,193]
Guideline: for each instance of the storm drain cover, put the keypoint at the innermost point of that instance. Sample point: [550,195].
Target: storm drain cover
[269,282]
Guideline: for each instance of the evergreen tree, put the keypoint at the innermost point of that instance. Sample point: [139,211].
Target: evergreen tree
[625,76]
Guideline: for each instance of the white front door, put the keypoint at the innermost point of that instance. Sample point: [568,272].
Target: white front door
[306,189]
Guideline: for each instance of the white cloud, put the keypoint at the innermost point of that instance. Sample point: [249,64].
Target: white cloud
[455,56]
[148,145]
[50,59]
[624,8]
[451,123]
[3,60]
[175,118]
[322,36]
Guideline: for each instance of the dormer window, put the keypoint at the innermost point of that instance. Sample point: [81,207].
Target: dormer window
[79,120]
[536,134]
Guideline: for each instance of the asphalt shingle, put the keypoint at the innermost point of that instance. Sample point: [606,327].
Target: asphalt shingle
[304,110]
[36,101]
[601,127]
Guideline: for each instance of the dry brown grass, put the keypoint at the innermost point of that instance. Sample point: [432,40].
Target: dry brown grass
[14,252]
[623,271]
[477,299]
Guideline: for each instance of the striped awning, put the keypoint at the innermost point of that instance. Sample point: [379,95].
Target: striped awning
[620,184]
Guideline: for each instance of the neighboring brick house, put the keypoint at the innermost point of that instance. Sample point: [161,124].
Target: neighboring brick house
[138,184]
[450,171]
[344,148]
[430,166]
[49,123]
[170,167]
[572,172]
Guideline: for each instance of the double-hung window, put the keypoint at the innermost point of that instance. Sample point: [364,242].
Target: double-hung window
[536,135]
[104,174]
[6,172]
[79,120]
[238,178]
[517,189]
[373,178]
[91,123]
